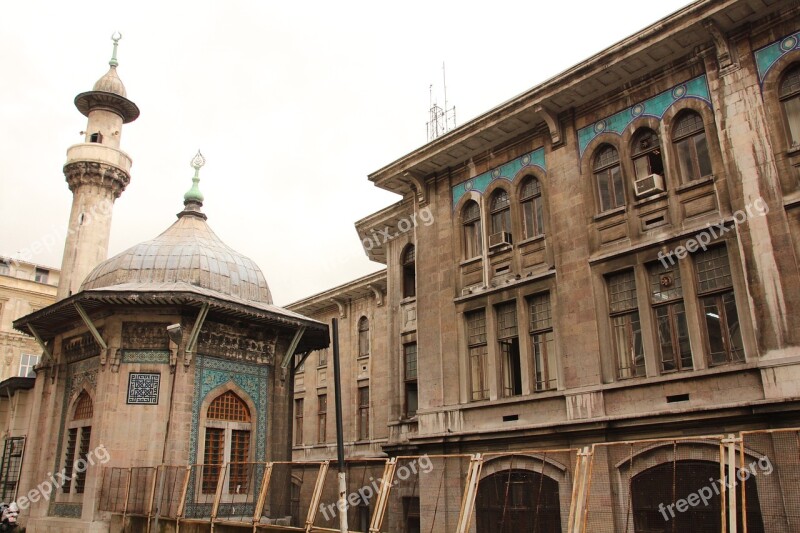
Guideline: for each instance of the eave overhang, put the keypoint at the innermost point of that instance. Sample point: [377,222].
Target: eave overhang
[54,319]
[613,70]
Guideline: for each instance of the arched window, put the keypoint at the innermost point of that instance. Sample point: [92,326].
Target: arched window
[608,176]
[473,238]
[227,440]
[646,153]
[408,261]
[363,337]
[79,433]
[691,146]
[655,491]
[532,207]
[500,221]
[516,500]
[789,94]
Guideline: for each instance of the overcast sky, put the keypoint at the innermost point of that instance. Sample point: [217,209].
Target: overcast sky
[292,104]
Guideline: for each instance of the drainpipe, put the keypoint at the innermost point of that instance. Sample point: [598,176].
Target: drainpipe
[342,504]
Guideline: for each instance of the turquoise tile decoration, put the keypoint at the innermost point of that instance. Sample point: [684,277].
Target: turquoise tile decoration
[767,57]
[210,373]
[654,107]
[507,171]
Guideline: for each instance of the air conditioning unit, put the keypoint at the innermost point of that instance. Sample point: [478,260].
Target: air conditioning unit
[499,239]
[652,184]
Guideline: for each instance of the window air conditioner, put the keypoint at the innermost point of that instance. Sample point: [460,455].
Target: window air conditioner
[652,184]
[499,239]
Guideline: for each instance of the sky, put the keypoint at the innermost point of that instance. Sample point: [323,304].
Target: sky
[292,104]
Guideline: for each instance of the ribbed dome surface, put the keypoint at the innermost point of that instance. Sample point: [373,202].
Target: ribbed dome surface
[188,251]
[110,83]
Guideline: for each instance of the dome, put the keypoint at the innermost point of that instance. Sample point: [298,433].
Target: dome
[110,83]
[189,252]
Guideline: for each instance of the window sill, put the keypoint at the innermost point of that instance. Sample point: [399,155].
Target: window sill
[793,150]
[529,240]
[609,213]
[695,183]
[500,249]
[408,300]
[471,261]
[649,199]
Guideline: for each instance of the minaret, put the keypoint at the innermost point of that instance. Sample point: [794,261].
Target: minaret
[97,172]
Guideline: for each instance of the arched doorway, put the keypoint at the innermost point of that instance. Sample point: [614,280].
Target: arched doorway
[657,491]
[511,501]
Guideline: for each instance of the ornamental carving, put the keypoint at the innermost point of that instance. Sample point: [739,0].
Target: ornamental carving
[225,341]
[145,336]
[80,347]
[80,173]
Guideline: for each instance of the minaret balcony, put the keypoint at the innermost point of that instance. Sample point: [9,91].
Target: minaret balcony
[99,153]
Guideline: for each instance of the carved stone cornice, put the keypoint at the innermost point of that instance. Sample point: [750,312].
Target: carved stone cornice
[95,173]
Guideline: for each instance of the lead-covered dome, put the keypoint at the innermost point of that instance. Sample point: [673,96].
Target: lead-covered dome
[187,252]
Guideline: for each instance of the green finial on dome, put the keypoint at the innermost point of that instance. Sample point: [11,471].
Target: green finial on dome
[194,194]
[116,36]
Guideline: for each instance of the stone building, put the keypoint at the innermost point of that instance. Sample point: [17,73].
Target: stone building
[170,352]
[24,287]
[611,255]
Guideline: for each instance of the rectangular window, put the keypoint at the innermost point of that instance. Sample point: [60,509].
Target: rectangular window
[473,239]
[411,515]
[322,417]
[10,467]
[239,469]
[5,270]
[41,275]
[476,343]
[69,458]
[299,363]
[509,348]
[544,353]
[666,293]
[626,328]
[718,305]
[212,459]
[323,358]
[363,413]
[26,364]
[410,379]
[83,452]
[298,421]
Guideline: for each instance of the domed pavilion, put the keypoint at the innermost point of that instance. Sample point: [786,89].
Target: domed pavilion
[171,353]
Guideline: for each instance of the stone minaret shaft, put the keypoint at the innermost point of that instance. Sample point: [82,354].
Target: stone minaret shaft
[97,172]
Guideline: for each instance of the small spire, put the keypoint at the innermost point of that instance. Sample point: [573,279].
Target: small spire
[116,36]
[194,194]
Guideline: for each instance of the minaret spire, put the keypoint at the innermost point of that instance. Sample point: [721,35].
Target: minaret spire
[116,36]
[97,172]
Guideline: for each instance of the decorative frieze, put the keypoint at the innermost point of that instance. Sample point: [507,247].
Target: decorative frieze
[80,347]
[145,335]
[221,340]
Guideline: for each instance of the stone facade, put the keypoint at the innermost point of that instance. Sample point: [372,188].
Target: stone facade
[24,287]
[611,255]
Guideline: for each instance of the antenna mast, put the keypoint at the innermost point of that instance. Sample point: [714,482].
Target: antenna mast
[440,120]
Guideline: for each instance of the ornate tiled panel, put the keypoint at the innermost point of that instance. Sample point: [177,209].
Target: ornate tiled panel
[653,107]
[769,55]
[143,388]
[507,171]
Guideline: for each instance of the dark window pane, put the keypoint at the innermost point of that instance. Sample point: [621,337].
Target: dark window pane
[703,161]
